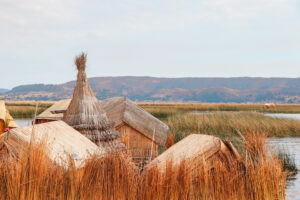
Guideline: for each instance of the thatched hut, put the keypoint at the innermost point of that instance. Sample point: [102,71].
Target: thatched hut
[54,113]
[85,112]
[62,142]
[137,127]
[198,149]
[141,132]
[6,120]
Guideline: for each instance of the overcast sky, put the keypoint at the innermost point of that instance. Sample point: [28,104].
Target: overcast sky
[162,38]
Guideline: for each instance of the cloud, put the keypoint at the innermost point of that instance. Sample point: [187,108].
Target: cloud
[132,32]
[53,18]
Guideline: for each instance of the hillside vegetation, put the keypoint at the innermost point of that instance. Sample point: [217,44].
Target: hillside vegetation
[239,90]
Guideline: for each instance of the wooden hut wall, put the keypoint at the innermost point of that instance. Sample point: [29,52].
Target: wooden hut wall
[139,146]
[41,121]
[2,126]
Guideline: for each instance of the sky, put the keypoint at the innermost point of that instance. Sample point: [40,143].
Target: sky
[161,38]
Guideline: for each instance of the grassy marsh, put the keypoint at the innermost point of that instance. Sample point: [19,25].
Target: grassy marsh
[163,110]
[229,124]
[26,109]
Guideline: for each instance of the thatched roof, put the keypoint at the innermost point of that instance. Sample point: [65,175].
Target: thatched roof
[10,122]
[121,110]
[61,140]
[56,111]
[197,149]
[85,112]
[5,117]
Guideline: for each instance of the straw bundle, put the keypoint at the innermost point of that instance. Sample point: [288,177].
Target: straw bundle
[61,141]
[197,150]
[85,112]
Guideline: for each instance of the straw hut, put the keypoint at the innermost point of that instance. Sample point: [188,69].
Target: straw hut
[198,149]
[6,120]
[138,128]
[54,113]
[85,112]
[62,142]
[141,132]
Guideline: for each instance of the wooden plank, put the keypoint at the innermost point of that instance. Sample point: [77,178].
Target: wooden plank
[138,145]
[1,126]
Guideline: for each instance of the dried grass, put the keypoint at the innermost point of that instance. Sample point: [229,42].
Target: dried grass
[33,176]
[227,124]
[80,61]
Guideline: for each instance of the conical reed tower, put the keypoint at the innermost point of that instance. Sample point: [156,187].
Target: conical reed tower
[85,112]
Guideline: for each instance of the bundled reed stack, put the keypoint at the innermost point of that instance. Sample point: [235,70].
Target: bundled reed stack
[85,113]
[198,150]
[6,120]
[61,142]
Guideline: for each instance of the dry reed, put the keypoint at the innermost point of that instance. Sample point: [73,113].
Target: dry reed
[25,110]
[169,108]
[33,176]
[227,124]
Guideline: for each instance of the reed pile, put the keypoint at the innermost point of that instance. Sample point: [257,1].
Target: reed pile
[33,176]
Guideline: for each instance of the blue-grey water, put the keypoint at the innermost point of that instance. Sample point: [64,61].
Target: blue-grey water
[284,115]
[24,122]
[291,145]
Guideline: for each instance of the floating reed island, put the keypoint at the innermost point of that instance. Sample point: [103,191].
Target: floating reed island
[86,149]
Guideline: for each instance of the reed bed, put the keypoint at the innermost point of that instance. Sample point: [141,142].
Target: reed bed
[289,163]
[163,110]
[228,125]
[33,176]
[25,110]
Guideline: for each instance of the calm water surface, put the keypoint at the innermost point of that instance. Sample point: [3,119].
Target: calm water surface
[284,115]
[291,145]
[24,122]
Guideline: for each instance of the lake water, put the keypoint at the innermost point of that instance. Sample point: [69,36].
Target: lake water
[24,122]
[291,145]
[284,115]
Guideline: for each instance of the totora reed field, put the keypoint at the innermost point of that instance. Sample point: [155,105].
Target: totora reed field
[262,173]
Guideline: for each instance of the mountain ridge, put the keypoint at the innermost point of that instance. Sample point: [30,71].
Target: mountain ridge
[191,89]
[2,90]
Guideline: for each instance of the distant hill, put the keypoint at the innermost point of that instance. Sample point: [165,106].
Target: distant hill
[240,90]
[3,90]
